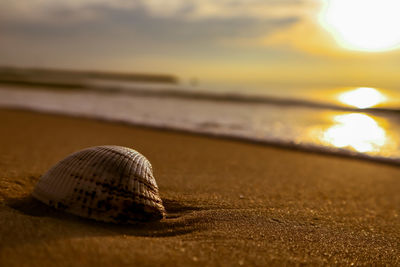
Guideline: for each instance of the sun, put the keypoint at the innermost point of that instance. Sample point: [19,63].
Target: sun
[364,25]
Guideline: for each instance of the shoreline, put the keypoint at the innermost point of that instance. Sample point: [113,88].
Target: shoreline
[229,202]
[328,151]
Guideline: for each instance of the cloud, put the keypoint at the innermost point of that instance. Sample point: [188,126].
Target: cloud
[148,23]
[42,11]
[86,10]
[179,22]
[206,9]
[97,32]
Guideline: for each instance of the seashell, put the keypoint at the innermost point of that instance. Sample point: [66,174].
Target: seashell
[105,183]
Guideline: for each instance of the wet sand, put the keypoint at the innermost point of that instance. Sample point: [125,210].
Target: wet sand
[229,203]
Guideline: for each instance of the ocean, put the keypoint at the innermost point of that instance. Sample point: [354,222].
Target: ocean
[313,120]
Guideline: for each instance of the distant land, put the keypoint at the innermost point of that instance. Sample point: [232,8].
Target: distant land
[73,78]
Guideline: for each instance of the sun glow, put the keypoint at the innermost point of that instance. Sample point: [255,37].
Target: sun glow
[366,25]
[358,131]
[363,97]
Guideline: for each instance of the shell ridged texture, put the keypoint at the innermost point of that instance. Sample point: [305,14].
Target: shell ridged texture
[105,183]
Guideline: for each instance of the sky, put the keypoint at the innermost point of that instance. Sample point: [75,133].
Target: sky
[289,42]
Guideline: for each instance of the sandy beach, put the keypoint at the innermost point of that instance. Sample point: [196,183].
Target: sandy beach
[229,203]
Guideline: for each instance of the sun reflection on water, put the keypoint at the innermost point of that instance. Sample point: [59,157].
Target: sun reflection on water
[362,97]
[358,131]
